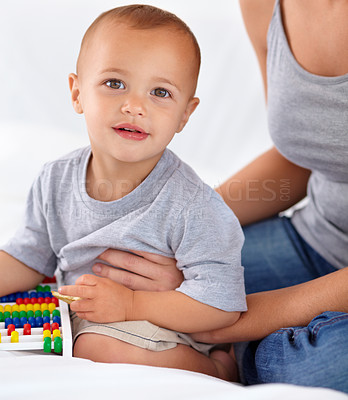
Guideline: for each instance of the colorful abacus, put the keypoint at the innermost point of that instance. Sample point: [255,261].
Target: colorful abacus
[35,320]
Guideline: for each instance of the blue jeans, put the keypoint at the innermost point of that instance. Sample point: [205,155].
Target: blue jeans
[275,256]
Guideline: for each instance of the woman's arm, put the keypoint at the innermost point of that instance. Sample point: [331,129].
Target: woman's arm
[291,306]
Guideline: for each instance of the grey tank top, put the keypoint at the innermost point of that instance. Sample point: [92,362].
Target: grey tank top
[308,123]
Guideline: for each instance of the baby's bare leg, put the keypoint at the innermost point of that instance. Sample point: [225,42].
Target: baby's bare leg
[106,349]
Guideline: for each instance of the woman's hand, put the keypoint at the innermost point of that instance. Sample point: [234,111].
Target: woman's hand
[140,270]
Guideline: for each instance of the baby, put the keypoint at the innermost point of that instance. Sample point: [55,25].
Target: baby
[135,84]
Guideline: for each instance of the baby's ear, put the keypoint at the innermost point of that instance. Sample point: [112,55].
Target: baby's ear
[190,108]
[75,93]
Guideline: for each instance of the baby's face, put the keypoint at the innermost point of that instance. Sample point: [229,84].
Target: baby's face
[135,88]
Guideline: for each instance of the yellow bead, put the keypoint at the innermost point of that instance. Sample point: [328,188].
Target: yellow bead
[46,333]
[22,307]
[14,337]
[15,307]
[30,307]
[56,333]
[51,307]
[44,306]
[8,308]
[1,309]
[37,307]
[0,337]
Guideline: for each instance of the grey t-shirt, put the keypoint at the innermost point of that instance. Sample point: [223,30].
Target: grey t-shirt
[308,122]
[172,213]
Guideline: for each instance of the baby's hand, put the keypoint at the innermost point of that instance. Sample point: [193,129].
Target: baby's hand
[102,300]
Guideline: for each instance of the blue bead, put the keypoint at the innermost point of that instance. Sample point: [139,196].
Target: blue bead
[32,322]
[17,322]
[47,294]
[12,298]
[8,321]
[33,295]
[25,295]
[46,319]
[56,319]
[18,295]
[40,294]
[39,321]
[23,321]
[3,299]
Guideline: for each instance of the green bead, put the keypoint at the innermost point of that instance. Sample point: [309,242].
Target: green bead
[56,313]
[2,318]
[15,314]
[22,314]
[39,288]
[38,313]
[47,345]
[7,314]
[46,288]
[46,313]
[57,344]
[30,313]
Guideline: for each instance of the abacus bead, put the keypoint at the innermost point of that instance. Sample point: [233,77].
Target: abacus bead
[10,329]
[39,321]
[33,295]
[33,300]
[55,326]
[19,300]
[58,344]
[46,320]
[37,307]
[40,293]
[56,333]
[40,300]
[8,321]
[15,307]
[32,322]
[38,313]
[30,307]
[15,314]
[39,288]
[48,294]
[47,288]
[55,312]
[22,307]
[0,337]
[27,329]
[46,326]
[46,313]
[2,319]
[17,322]
[8,308]
[4,299]
[51,307]
[18,295]
[55,301]
[24,321]
[14,337]
[47,344]
[7,314]
[21,314]
[44,306]
[47,300]
[26,300]
[25,295]
[12,297]
[1,308]
[30,313]
[56,319]
[46,333]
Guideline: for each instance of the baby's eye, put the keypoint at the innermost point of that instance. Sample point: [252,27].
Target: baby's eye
[115,84]
[160,92]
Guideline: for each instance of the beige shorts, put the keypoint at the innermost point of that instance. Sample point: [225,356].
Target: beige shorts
[139,333]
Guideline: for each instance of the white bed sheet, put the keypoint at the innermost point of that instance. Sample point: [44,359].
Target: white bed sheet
[60,378]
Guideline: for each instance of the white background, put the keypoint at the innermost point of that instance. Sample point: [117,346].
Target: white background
[39,43]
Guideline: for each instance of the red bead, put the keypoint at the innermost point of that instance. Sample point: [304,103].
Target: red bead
[10,329]
[27,329]
[55,326]
[46,326]
[47,300]
[33,300]
[40,300]
[19,301]
[26,300]
[55,301]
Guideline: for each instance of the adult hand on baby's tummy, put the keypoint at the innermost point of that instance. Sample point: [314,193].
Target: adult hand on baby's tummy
[103,300]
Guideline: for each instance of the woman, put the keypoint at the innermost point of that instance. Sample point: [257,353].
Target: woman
[300,261]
